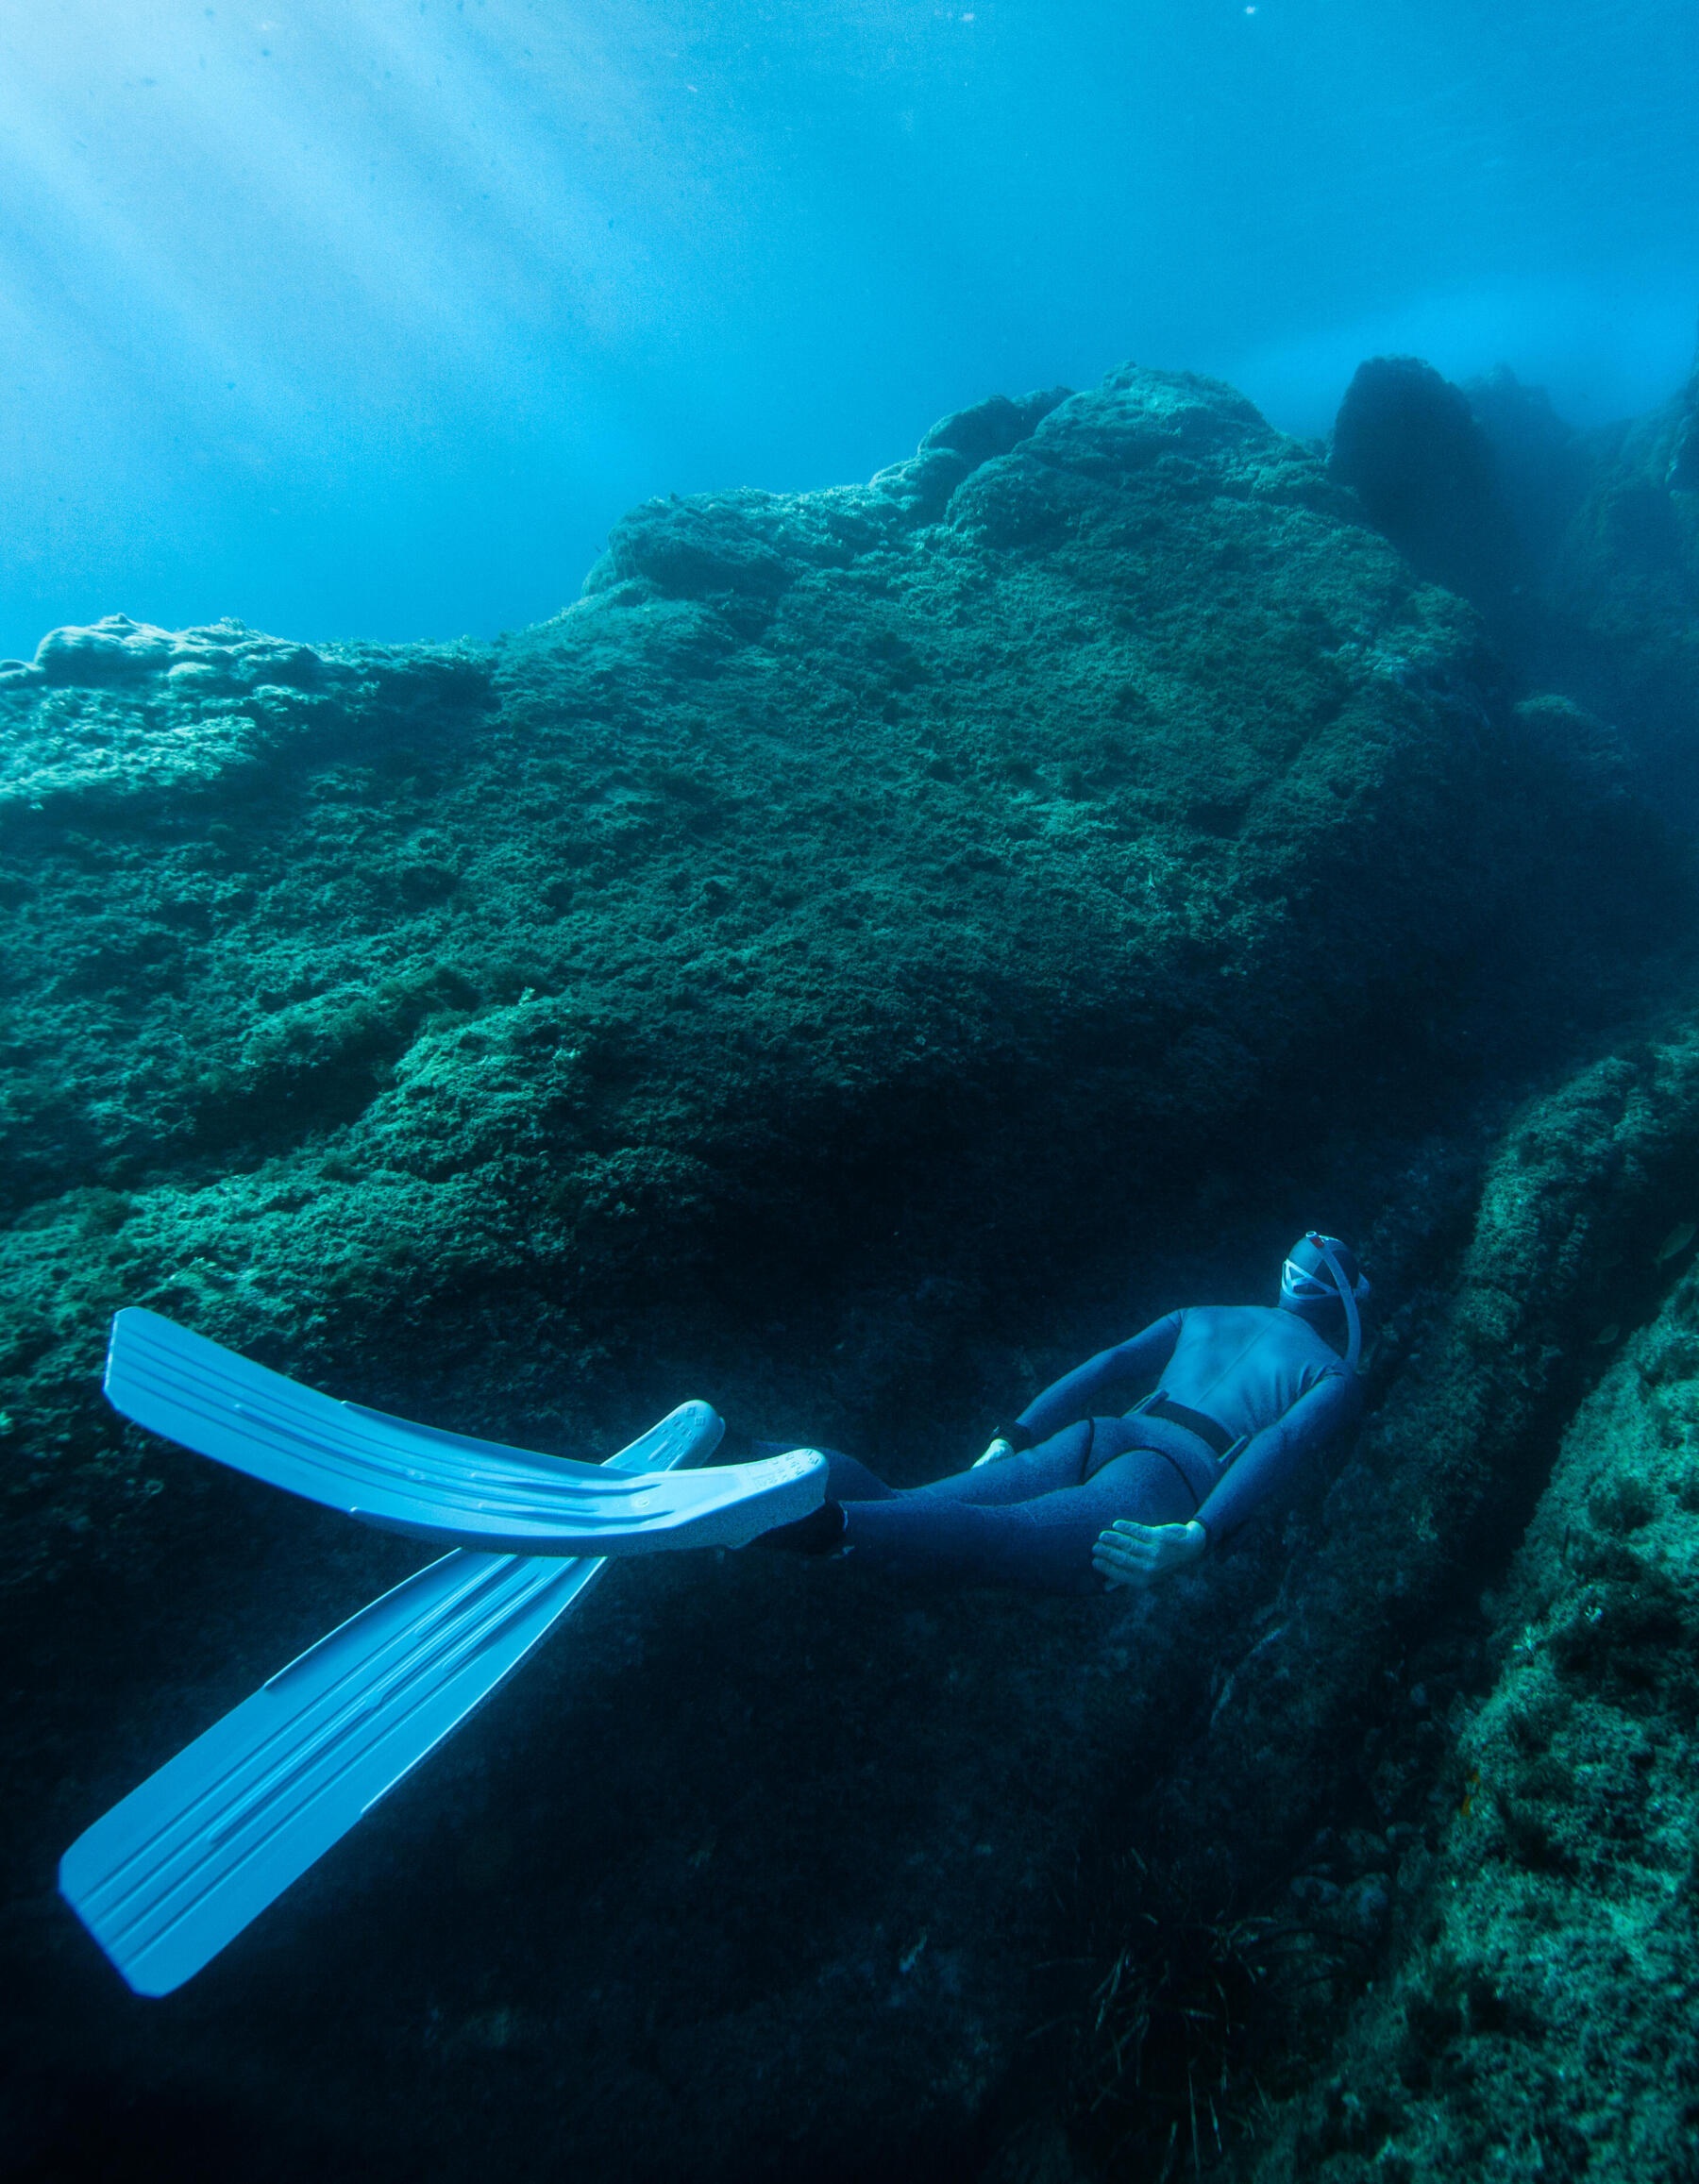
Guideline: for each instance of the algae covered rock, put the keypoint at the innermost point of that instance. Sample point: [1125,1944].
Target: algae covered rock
[120,711]
[787,891]
[1475,1377]
[1541,2015]
[826,875]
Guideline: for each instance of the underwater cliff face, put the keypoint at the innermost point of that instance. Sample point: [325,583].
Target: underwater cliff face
[1581,550]
[1537,2011]
[863,943]
[1624,594]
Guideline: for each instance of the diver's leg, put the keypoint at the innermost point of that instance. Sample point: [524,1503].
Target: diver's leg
[1053,1464]
[1044,1469]
[1038,1546]
[1061,1461]
[849,1480]
[822,1530]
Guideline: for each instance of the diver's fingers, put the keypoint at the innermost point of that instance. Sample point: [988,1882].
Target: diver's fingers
[1141,1541]
[1135,1564]
[1117,1553]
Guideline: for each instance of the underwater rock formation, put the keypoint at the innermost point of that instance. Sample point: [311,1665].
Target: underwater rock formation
[1351,1689]
[805,973]
[1541,465]
[1581,550]
[1621,606]
[831,855]
[1408,444]
[1539,2015]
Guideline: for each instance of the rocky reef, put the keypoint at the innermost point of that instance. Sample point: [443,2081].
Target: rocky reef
[1581,550]
[872,947]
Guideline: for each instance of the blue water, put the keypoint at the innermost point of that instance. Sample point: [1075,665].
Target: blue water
[369,317]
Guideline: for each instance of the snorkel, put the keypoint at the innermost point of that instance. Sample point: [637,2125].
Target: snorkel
[1353,1324]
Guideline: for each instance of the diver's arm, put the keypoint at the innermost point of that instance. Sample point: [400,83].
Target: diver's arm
[1267,1463]
[1132,1365]
[1139,1554]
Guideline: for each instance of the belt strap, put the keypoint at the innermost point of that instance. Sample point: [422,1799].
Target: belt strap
[1214,1437]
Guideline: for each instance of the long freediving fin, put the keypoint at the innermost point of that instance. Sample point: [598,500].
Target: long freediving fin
[181,1865]
[442,1486]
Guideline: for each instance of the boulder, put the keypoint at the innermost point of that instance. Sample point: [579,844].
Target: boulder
[1408,444]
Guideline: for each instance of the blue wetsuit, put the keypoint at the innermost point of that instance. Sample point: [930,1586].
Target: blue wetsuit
[1236,1395]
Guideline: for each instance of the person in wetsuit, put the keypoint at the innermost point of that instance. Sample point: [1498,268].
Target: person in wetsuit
[1079,1493]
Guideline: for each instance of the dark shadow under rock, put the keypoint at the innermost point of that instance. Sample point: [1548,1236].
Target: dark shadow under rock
[1541,467]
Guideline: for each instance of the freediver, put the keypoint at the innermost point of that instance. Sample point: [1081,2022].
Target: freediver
[1067,1500]
[1070,1500]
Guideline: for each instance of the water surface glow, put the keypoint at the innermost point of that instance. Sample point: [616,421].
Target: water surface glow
[368,316]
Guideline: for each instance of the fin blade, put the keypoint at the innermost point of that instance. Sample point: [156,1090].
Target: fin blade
[444,1487]
[175,1870]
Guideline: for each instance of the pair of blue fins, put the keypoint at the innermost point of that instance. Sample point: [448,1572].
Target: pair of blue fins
[181,1865]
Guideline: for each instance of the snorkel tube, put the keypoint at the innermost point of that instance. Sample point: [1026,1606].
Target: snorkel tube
[1353,1325]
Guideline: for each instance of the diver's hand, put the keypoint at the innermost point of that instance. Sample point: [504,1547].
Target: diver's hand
[1139,1554]
[995,1454]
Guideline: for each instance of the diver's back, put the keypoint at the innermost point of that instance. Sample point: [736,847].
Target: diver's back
[1244,1364]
